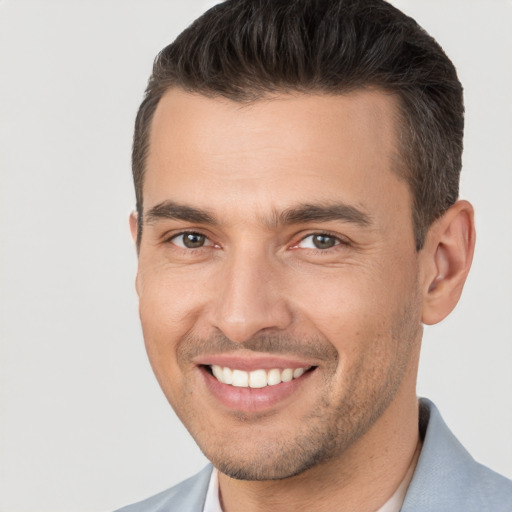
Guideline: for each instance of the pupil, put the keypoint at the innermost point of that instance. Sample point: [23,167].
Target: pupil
[323,241]
[193,240]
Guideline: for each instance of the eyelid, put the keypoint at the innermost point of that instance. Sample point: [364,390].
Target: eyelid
[170,239]
[340,240]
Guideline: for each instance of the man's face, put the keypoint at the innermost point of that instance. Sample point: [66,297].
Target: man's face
[278,244]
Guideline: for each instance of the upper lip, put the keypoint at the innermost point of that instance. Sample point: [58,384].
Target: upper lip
[256,362]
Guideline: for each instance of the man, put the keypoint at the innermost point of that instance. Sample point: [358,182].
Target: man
[296,166]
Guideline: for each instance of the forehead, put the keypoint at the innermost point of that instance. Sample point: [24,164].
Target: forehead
[273,152]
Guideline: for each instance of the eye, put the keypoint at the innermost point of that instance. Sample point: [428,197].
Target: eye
[191,240]
[318,241]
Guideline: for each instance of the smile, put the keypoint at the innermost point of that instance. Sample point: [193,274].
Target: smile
[257,378]
[255,384]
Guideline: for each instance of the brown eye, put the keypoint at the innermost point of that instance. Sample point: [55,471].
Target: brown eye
[190,240]
[324,241]
[319,241]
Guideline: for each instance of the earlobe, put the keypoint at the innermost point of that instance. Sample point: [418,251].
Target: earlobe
[448,254]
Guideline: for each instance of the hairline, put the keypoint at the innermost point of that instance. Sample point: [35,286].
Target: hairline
[401,122]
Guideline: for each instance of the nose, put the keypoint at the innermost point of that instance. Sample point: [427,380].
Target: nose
[250,297]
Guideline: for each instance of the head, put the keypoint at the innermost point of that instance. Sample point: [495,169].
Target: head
[296,168]
[246,50]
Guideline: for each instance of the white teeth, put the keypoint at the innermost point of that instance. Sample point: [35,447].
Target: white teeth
[240,378]
[298,372]
[227,376]
[256,378]
[217,371]
[287,375]
[274,377]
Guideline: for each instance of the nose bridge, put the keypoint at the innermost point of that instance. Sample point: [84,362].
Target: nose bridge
[249,297]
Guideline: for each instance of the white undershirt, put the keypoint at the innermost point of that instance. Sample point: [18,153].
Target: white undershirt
[212,503]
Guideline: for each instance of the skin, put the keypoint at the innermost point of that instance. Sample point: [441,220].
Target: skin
[256,286]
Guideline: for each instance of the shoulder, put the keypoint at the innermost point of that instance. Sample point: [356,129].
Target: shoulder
[493,491]
[447,478]
[187,496]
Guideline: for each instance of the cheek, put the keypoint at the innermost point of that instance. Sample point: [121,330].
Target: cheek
[343,301]
[357,309]
[169,299]
[169,308]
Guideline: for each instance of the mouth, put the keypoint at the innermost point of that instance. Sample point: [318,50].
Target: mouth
[257,387]
[255,379]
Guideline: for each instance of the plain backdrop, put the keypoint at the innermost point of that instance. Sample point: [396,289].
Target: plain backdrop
[84,426]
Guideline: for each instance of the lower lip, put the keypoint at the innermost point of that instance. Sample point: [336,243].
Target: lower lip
[252,399]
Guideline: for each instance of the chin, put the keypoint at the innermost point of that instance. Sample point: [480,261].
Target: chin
[273,460]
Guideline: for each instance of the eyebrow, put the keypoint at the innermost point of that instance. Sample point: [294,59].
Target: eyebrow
[303,213]
[176,211]
[323,213]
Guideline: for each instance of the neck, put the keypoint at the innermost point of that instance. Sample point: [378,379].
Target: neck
[363,478]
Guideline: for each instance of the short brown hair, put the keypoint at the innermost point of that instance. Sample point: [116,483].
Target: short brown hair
[246,49]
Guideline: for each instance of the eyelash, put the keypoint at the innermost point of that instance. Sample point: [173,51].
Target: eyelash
[338,241]
[172,239]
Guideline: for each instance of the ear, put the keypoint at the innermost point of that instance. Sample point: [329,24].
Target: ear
[134,230]
[133,226]
[446,259]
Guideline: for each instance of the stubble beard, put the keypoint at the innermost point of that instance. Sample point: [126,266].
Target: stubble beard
[322,434]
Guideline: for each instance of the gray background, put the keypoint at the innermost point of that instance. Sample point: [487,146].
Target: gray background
[84,426]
